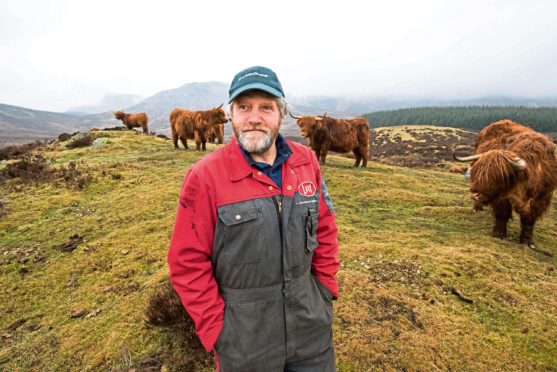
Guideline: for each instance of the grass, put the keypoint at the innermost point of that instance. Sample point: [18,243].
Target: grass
[407,239]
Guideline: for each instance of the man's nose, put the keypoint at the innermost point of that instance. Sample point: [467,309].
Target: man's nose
[254,118]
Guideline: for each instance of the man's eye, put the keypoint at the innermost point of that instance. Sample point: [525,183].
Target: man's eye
[267,108]
[243,107]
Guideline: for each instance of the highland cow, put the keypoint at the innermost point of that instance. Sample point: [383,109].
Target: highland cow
[339,135]
[194,125]
[131,121]
[513,168]
[217,134]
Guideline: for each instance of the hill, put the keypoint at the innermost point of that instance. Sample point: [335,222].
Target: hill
[19,125]
[84,235]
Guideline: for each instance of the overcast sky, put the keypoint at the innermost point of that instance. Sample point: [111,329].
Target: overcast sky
[56,54]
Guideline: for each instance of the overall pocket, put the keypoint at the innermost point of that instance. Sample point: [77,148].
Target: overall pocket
[243,232]
[311,230]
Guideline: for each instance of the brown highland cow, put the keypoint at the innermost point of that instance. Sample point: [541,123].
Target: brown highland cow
[217,134]
[513,168]
[339,135]
[131,121]
[194,125]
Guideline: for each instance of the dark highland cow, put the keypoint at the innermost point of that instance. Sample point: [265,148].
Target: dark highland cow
[339,135]
[195,125]
[513,168]
[131,121]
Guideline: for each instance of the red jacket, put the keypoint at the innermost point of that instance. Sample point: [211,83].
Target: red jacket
[221,178]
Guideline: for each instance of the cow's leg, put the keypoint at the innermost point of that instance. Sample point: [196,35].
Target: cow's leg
[184,141]
[503,212]
[527,232]
[317,155]
[358,157]
[197,139]
[365,155]
[323,155]
[203,147]
[175,139]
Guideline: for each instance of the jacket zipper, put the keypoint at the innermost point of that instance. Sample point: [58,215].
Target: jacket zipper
[278,207]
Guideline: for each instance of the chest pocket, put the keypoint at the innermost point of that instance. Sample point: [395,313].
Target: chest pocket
[243,232]
[310,223]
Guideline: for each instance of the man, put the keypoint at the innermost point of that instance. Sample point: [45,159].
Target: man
[253,254]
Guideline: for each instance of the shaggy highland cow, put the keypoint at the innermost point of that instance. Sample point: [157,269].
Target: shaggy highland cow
[217,134]
[513,168]
[131,121]
[194,125]
[340,135]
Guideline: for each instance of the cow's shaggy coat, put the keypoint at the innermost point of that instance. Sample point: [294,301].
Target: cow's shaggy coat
[339,135]
[130,121]
[514,168]
[194,125]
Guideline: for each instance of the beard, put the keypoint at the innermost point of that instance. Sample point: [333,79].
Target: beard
[255,143]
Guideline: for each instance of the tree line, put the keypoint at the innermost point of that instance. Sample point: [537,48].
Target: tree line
[541,119]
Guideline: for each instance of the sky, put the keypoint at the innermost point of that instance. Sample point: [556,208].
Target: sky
[57,54]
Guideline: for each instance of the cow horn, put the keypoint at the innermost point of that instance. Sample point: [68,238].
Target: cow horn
[221,105]
[318,118]
[467,158]
[519,164]
[294,117]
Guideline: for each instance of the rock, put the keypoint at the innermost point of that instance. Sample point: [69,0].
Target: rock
[76,314]
[100,142]
[93,314]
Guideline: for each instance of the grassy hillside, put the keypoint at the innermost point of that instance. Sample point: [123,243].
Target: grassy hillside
[423,286]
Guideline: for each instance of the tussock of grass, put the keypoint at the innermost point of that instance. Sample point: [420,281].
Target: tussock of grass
[407,239]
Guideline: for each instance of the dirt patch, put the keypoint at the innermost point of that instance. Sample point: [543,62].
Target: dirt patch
[81,142]
[16,152]
[164,308]
[34,170]
[114,128]
[70,244]
[3,208]
[419,147]
[66,136]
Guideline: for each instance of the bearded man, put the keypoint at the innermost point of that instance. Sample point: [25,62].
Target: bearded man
[253,253]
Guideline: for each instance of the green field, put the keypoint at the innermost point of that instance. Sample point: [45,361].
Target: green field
[409,244]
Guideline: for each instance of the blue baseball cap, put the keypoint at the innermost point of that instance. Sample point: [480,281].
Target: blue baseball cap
[256,77]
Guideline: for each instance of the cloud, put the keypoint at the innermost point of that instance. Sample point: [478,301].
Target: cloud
[58,54]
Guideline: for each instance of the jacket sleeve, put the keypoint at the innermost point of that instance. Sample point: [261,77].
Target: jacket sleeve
[189,258]
[325,263]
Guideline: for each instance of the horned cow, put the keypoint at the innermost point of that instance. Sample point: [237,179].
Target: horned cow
[217,134]
[195,125]
[131,121]
[513,168]
[339,135]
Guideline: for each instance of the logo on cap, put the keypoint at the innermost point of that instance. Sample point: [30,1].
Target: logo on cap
[307,188]
[253,73]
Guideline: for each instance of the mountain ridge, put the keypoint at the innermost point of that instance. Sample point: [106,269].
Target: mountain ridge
[19,125]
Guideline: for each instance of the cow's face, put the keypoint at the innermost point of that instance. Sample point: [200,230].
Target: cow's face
[308,125]
[118,115]
[491,176]
[220,116]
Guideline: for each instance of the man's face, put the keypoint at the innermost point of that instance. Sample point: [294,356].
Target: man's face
[256,122]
